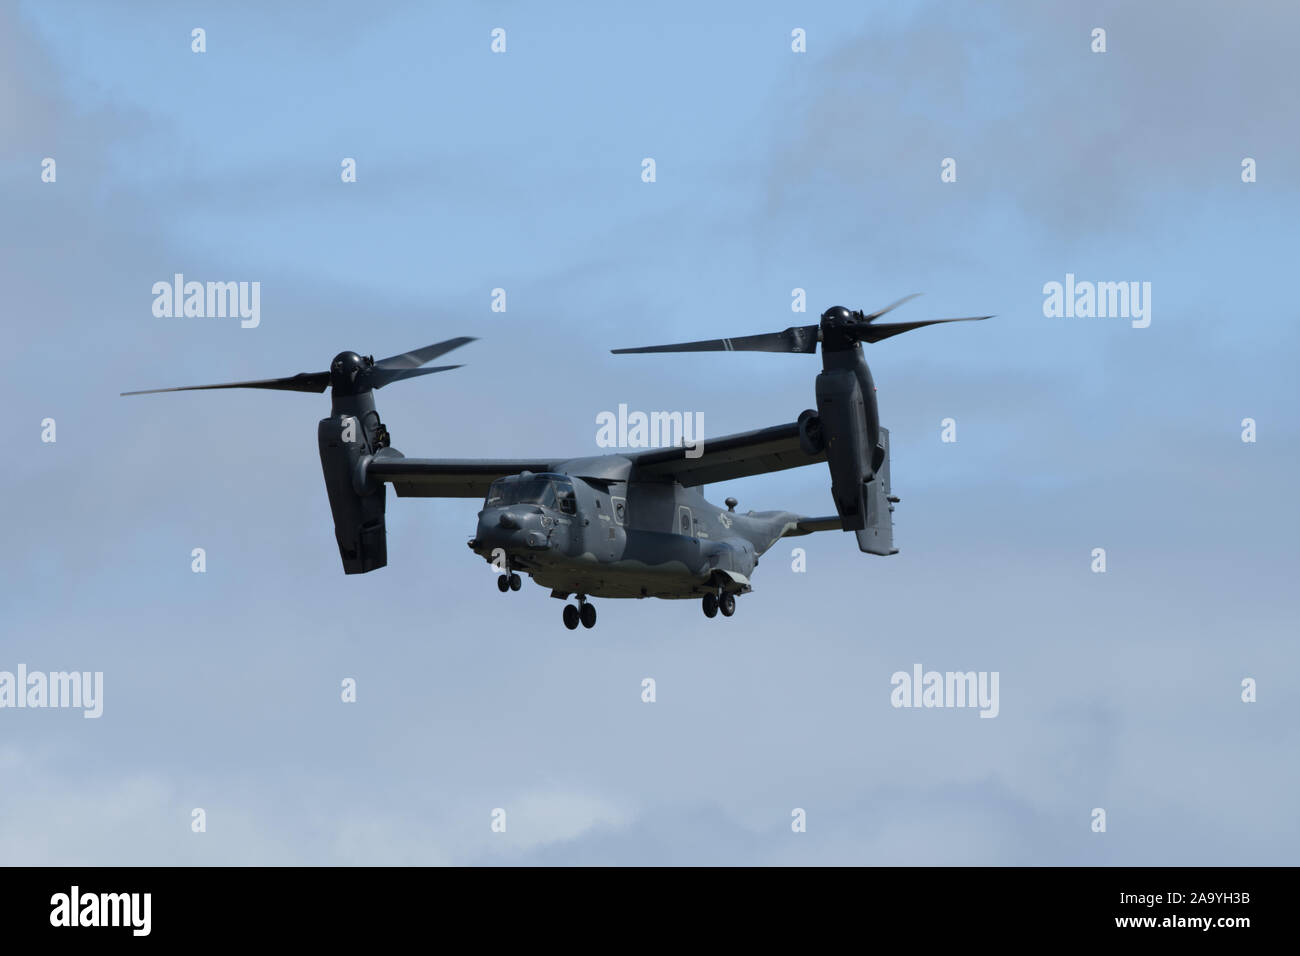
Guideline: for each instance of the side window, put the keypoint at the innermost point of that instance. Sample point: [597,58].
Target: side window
[620,509]
[568,503]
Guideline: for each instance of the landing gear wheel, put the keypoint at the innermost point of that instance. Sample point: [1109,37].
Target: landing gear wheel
[570,617]
[710,605]
[503,583]
[727,604]
[588,614]
[515,582]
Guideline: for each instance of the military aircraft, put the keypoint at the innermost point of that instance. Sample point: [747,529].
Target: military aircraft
[627,525]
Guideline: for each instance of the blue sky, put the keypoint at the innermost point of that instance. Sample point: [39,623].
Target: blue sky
[775,170]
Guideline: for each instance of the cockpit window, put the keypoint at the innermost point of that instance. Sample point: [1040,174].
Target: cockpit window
[534,491]
[547,491]
[498,492]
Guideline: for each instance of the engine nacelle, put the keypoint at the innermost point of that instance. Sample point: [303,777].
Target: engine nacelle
[846,427]
[841,411]
[345,438]
[812,441]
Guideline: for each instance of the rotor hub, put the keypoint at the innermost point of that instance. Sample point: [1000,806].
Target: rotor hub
[839,327]
[344,370]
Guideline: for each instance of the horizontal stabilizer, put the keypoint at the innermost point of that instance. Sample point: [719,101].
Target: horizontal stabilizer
[809,525]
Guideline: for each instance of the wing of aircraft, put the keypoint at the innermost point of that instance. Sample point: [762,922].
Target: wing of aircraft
[722,459]
[733,456]
[446,477]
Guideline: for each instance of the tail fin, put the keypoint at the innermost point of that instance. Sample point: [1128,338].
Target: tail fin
[878,536]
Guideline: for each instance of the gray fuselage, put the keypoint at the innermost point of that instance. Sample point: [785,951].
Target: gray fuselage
[618,537]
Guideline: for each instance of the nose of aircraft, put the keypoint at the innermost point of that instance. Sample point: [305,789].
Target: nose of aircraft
[510,530]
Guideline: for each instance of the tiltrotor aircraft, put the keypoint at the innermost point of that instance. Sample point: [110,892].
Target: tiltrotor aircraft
[629,525]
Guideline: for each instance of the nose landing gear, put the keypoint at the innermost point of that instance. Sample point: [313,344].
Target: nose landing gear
[509,581]
[582,612]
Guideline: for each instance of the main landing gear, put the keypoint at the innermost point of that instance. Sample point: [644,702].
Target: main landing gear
[724,602]
[509,581]
[582,612]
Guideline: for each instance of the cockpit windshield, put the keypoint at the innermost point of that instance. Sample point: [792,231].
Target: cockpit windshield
[548,491]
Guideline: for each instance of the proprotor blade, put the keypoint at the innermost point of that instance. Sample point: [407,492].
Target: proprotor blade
[794,339]
[358,372]
[417,357]
[874,333]
[379,377]
[891,307]
[302,382]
